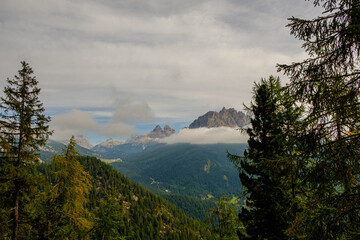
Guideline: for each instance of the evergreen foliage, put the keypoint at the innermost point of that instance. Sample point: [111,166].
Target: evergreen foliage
[328,83]
[23,129]
[268,169]
[324,173]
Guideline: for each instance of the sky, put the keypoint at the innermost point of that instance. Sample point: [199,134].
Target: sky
[114,68]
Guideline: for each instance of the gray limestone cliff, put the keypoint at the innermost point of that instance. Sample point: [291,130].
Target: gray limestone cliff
[225,118]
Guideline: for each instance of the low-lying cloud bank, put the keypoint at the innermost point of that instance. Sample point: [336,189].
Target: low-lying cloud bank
[77,122]
[207,136]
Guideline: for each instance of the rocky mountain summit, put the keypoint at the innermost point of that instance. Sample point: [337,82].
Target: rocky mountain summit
[109,143]
[104,146]
[158,132]
[225,118]
[82,142]
[153,136]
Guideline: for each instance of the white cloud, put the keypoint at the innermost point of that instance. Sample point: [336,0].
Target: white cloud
[118,129]
[127,110]
[207,136]
[74,123]
[77,122]
[75,119]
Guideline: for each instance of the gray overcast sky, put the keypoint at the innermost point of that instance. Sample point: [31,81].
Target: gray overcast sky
[110,68]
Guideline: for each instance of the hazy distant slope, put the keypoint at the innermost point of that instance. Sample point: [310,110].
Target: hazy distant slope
[194,170]
[53,147]
[113,150]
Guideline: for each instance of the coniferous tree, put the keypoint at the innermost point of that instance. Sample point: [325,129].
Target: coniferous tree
[68,216]
[328,83]
[23,129]
[267,168]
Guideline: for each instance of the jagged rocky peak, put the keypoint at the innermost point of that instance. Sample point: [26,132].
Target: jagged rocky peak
[168,130]
[83,142]
[157,129]
[225,118]
[158,132]
[153,136]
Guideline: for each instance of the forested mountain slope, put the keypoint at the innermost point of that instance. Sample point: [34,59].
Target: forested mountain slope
[138,213]
[201,172]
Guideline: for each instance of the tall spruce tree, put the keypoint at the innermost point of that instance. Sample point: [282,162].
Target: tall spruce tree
[328,83]
[24,128]
[269,164]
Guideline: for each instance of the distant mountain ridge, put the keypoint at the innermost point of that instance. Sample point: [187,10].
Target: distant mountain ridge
[153,136]
[225,118]
[104,147]
[112,149]
[52,148]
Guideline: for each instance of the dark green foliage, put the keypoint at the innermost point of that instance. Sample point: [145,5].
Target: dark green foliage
[268,170]
[23,129]
[328,83]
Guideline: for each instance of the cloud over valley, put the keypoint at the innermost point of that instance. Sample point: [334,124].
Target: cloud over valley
[207,136]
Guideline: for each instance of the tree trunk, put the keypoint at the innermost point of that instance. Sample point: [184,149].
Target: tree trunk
[16,215]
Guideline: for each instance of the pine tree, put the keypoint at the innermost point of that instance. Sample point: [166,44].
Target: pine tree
[23,129]
[328,83]
[269,163]
[68,216]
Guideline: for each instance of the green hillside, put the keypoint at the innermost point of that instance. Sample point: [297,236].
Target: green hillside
[144,214]
[197,171]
